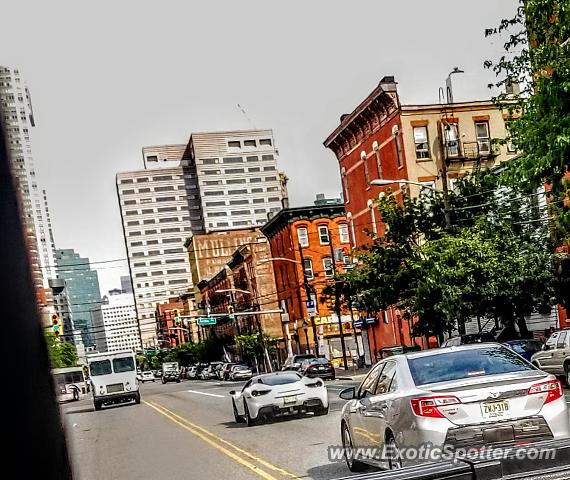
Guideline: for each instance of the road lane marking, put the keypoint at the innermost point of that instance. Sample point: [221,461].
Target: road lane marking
[192,426]
[204,393]
[254,468]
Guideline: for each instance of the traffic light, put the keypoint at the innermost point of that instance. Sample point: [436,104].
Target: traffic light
[231,311]
[176,316]
[56,325]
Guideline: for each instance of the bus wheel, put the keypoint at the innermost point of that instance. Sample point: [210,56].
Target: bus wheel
[75,394]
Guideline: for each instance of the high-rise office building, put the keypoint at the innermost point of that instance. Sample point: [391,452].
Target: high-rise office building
[83,294]
[18,119]
[115,324]
[160,209]
[238,177]
[126,285]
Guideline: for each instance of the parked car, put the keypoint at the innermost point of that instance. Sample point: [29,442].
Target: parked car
[210,371]
[147,376]
[293,362]
[525,348]
[240,372]
[555,354]
[466,396]
[224,372]
[278,393]
[192,372]
[318,367]
[468,339]
[397,350]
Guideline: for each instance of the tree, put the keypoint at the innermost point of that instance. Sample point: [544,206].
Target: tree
[61,354]
[538,56]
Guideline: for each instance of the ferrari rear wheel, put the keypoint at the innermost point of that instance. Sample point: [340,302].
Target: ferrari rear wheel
[248,418]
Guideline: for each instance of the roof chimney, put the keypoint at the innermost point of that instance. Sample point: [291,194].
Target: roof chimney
[388,83]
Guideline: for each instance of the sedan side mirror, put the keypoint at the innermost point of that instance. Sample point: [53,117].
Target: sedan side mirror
[232,392]
[348,393]
[545,347]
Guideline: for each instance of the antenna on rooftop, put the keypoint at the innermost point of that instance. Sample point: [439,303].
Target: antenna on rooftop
[242,110]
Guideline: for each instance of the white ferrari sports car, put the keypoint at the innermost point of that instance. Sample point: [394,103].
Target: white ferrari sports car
[279,393]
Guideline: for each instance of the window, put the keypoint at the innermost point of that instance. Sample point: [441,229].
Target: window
[213,193]
[135,234]
[273,199]
[177,270]
[234,144]
[128,192]
[240,212]
[328,266]
[451,134]
[255,180]
[368,386]
[308,268]
[272,189]
[251,159]
[136,244]
[172,240]
[250,169]
[234,181]
[213,182]
[365,163]
[168,219]
[174,260]
[260,210]
[399,150]
[373,219]
[483,137]
[269,169]
[131,212]
[256,190]
[258,200]
[266,157]
[149,232]
[386,378]
[144,190]
[343,233]
[303,236]
[162,177]
[421,141]
[138,254]
[164,209]
[232,160]
[215,204]
[250,143]
[127,180]
[174,250]
[265,142]
[155,262]
[230,171]
[217,214]
[270,179]
[345,185]
[142,180]
[324,237]
[239,202]
[561,340]
[212,172]
[166,188]
[150,221]
[130,224]
[236,192]
[209,161]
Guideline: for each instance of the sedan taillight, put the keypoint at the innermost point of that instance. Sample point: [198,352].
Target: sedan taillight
[428,406]
[553,388]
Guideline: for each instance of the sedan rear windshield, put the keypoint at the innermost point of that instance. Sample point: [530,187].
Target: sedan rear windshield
[280,379]
[462,364]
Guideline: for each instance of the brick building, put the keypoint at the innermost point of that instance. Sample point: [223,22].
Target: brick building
[169,333]
[307,244]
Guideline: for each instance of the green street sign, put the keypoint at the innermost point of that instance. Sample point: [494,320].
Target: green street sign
[206,321]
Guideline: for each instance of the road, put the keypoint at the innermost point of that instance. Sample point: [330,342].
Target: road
[186,430]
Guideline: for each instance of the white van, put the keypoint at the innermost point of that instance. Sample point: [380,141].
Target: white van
[113,377]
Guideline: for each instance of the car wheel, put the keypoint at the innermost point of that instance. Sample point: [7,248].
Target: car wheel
[75,395]
[248,418]
[153,381]
[319,411]
[238,418]
[349,451]
[163,380]
[138,398]
[177,380]
[394,459]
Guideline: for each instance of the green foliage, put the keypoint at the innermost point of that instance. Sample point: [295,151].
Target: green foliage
[61,354]
[252,345]
[537,54]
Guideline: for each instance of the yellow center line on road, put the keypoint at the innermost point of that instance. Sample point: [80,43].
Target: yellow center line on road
[215,441]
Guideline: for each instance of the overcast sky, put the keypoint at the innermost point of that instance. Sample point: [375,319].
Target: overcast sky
[108,77]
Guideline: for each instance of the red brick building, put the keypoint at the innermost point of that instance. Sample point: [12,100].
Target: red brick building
[368,145]
[309,243]
[169,332]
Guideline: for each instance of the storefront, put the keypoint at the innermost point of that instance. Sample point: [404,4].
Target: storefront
[328,331]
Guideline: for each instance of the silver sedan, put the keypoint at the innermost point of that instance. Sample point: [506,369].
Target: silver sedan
[414,406]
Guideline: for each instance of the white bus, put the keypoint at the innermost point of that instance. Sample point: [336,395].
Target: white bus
[69,383]
[113,378]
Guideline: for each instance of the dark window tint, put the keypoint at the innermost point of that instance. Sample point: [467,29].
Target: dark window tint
[125,364]
[462,364]
[280,379]
[101,367]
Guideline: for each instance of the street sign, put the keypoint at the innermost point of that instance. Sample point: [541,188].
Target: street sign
[357,323]
[206,321]
[311,308]
[371,320]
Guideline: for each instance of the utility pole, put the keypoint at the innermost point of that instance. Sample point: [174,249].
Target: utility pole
[337,305]
[444,179]
[309,297]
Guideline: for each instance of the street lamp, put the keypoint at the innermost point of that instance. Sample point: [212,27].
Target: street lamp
[448,85]
[384,182]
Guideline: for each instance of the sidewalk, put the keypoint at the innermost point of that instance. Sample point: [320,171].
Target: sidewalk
[353,373]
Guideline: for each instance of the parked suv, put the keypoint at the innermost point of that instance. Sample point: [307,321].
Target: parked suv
[294,362]
[555,355]
[468,339]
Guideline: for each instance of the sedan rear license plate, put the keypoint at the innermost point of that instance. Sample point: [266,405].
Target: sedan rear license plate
[494,409]
[290,399]
[322,368]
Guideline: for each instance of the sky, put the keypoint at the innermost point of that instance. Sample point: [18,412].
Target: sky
[108,77]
